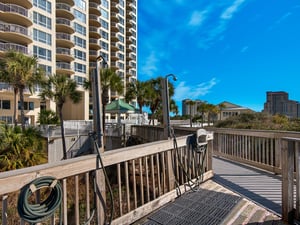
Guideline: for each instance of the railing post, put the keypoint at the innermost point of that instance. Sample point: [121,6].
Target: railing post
[277,163]
[209,155]
[171,176]
[287,181]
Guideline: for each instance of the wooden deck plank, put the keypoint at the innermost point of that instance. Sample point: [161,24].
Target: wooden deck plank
[259,202]
[260,186]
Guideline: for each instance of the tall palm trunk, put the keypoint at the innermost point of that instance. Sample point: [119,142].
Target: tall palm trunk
[62,130]
[15,106]
[22,108]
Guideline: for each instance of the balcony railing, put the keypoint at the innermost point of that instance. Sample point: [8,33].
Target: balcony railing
[63,36]
[14,9]
[63,6]
[63,21]
[8,27]
[12,46]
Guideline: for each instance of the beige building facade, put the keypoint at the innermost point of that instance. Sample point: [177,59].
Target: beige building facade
[67,36]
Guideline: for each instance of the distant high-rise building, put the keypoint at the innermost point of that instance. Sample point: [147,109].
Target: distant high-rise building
[67,36]
[278,103]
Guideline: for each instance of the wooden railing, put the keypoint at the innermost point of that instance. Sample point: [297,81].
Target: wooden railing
[273,151]
[142,178]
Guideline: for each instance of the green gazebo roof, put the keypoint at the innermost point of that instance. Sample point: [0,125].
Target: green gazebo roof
[119,106]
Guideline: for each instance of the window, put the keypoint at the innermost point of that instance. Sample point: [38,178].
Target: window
[121,38]
[80,55]
[42,37]
[79,80]
[104,45]
[104,34]
[27,105]
[80,29]
[104,14]
[121,56]
[47,69]
[80,67]
[80,4]
[5,104]
[43,4]
[80,42]
[41,20]
[104,3]
[121,11]
[79,16]
[104,24]
[42,53]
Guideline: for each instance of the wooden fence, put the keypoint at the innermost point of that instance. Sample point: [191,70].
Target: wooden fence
[142,178]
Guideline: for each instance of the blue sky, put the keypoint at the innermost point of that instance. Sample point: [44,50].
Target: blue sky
[222,50]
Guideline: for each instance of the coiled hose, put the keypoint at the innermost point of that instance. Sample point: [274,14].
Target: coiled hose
[37,212]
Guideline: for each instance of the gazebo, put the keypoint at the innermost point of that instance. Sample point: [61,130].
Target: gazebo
[118,106]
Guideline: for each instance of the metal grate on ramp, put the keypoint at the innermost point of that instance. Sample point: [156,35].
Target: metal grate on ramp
[197,207]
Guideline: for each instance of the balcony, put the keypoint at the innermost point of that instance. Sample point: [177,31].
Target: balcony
[114,7]
[94,32]
[96,1]
[94,9]
[4,47]
[64,54]
[64,10]
[23,3]
[94,20]
[15,14]
[93,54]
[165,181]
[64,68]
[15,33]
[64,40]
[94,44]
[68,2]
[114,27]
[64,25]
[114,17]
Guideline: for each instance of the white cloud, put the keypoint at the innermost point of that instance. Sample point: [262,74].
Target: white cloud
[228,12]
[197,18]
[244,49]
[184,90]
[149,67]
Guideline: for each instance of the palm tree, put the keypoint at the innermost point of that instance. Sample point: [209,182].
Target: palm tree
[202,108]
[137,90]
[59,88]
[21,72]
[212,112]
[20,149]
[154,98]
[109,81]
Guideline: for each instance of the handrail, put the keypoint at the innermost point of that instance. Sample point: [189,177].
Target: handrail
[141,175]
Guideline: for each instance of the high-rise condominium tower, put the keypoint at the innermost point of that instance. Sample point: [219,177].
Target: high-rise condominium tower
[67,36]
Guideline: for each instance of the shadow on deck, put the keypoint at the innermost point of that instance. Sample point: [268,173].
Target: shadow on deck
[237,194]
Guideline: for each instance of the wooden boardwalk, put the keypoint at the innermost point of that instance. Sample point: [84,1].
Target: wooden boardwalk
[259,186]
[237,194]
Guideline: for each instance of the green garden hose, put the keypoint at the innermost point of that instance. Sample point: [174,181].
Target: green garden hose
[37,212]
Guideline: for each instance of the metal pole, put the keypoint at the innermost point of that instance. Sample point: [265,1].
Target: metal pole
[166,105]
[97,101]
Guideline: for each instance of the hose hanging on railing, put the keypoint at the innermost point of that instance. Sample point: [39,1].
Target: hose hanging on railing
[37,212]
[191,142]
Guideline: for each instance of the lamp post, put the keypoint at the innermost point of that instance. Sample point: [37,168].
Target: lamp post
[97,101]
[166,104]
